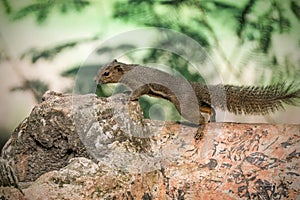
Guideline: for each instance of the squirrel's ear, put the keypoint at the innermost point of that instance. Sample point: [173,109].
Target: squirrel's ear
[119,68]
[115,60]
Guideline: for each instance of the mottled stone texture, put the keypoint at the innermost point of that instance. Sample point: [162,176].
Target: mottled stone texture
[86,147]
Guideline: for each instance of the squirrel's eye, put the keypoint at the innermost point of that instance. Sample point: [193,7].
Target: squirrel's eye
[106,74]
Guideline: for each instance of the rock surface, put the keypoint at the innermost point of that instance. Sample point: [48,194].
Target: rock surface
[86,147]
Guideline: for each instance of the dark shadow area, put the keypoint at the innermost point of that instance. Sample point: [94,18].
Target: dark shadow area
[4,135]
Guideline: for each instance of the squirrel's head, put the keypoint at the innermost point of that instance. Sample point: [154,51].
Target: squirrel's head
[111,73]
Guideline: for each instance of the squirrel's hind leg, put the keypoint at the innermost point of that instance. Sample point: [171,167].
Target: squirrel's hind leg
[200,130]
[206,108]
[212,115]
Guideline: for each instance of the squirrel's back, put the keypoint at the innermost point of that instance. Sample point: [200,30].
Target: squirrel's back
[236,99]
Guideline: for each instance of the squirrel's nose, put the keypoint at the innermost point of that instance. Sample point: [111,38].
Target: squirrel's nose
[97,80]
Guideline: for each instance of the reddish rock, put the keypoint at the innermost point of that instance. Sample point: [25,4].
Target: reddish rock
[143,159]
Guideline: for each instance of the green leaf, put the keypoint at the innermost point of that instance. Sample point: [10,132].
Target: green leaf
[41,9]
[295,7]
[265,38]
[47,54]
[7,6]
[50,53]
[242,16]
[225,5]
[37,87]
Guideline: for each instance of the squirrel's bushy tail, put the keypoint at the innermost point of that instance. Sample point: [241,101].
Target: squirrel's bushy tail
[254,99]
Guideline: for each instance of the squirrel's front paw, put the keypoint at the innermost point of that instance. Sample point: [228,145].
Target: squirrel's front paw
[200,133]
[133,98]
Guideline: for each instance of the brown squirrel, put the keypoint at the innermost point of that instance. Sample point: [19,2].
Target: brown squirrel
[187,96]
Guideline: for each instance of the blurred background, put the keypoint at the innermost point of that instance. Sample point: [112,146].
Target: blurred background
[44,44]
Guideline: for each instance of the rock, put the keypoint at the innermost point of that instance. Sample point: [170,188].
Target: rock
[45,140]
[86,147]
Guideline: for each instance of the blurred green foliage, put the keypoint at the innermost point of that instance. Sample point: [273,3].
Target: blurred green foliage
[42,9]
[50,53]
[37,87]
[7,6]
[250,21]
[253,23]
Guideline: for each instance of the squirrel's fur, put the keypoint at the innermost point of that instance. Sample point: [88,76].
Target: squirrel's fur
[236,99]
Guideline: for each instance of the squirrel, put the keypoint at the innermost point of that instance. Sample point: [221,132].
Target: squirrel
[187,95]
